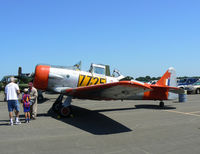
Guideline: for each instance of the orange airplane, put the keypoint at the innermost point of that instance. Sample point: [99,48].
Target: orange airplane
[98,84]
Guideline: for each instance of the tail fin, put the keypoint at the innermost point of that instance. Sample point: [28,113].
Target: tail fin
[168,79]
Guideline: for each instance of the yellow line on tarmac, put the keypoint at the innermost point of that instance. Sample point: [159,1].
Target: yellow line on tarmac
[185,113]
[194,112]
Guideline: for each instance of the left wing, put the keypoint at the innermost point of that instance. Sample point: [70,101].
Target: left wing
[175,90]
[108,91]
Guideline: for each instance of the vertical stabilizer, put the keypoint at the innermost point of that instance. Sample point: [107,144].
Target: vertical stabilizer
[169,79]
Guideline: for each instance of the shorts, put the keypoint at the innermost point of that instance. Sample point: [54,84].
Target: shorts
[13,104]
[26,109]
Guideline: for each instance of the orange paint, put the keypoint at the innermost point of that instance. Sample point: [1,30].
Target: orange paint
[162,81]
[160,90]
[158,93]
[41,77]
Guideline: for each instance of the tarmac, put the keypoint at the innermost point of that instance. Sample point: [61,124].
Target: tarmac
[105,127]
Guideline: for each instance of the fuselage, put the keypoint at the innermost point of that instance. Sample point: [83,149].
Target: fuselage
[58,79]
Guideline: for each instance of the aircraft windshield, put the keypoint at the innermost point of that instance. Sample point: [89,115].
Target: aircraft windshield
[99,70]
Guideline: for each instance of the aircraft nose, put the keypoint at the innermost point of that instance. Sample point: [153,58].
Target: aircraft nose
[41,77]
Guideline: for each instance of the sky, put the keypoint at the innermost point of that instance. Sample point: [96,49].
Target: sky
[137,37]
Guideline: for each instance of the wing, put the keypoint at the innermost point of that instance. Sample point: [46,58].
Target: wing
[175,90]
[108,91]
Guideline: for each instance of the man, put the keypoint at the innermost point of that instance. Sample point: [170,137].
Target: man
[33,96]
[12,91]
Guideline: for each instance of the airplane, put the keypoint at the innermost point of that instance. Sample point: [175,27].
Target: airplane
[99,84]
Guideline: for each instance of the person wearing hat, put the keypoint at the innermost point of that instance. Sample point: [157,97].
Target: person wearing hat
[12,92]
[33,96]
[26,105]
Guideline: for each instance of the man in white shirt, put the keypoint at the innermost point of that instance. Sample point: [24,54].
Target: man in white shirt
[12,91]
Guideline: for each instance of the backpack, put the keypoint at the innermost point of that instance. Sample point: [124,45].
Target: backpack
[26,100]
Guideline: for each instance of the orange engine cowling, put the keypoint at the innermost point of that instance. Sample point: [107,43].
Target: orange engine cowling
[41,77]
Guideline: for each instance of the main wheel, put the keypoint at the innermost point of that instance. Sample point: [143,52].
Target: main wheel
[161,104]
[198,91]
[65,111]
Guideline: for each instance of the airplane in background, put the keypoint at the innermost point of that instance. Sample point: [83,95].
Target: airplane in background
[99,84]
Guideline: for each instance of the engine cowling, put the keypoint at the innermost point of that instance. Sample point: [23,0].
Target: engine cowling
[41,77]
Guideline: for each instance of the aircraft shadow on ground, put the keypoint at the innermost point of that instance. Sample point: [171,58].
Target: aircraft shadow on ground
[93,122]
[96,123]
[141,106]
[43,100]
[155,107]
[4,122]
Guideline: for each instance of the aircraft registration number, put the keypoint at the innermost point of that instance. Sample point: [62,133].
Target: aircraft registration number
[87,80]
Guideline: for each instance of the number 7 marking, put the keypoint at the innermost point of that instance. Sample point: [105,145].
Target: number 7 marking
[82,80]
[89,80]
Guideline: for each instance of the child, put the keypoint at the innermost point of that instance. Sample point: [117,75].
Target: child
[26,105]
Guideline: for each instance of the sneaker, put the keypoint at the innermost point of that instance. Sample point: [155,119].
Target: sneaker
[11,123]
[17,122]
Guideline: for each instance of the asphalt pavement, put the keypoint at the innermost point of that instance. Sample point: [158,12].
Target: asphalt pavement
[105,127]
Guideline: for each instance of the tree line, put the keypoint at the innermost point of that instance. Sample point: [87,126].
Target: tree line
[148,78]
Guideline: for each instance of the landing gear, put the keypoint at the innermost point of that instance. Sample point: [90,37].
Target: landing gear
[40,96]
[63,109]
[161,105]
[57,104]
[198,91]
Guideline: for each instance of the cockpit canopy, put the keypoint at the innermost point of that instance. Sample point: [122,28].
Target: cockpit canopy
[100,69]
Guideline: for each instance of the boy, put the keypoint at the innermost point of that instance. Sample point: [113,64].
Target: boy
[26,105]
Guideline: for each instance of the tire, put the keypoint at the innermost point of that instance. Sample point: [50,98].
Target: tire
[65,111]
[161,105]
[197,91]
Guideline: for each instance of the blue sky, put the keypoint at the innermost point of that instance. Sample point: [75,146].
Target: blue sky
[138,37]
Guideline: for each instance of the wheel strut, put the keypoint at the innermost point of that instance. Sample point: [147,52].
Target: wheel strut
[62,109]
[56,105]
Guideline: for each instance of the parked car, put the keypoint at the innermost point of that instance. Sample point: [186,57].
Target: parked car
[194,88]
[153,82]
[187,81]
